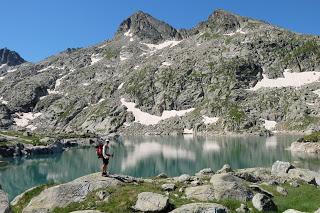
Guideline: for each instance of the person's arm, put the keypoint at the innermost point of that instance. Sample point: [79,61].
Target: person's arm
[104,152]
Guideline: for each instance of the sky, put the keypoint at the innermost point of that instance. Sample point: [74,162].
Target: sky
[37,29]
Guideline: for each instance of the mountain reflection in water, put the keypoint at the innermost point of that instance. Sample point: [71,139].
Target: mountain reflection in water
[147,156]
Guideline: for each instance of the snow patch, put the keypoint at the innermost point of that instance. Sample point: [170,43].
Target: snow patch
[86,84]
[128,33]
[240,31]
[269,125]
[166,63]
[209,120]
[136,67]
[124,56]
[3,101]
[188,131]
[2,65]
[289,80]
[23,119]
[148,119]
[12,70]
[317,92]
[95,58]
[51,67]
[155,47]
[120,86]
[1,78]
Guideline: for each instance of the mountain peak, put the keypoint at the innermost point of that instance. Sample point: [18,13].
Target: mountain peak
[148,28]
[9,57]
[224,21]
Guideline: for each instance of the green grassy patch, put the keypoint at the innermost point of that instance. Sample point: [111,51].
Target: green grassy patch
[32,139]
[313,137]
[304,198]
[24,201]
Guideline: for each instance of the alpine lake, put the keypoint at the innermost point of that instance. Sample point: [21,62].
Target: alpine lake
[147,156]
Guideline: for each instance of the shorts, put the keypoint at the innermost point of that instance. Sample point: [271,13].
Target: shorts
[105,161]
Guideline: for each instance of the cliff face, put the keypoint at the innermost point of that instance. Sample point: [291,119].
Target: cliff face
[229,73]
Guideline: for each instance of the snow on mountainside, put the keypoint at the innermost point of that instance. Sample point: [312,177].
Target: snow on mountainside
[227,74]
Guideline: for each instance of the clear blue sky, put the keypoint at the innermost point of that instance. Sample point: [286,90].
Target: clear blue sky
[39,28]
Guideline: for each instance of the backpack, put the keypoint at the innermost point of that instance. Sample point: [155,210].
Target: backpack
[99,150]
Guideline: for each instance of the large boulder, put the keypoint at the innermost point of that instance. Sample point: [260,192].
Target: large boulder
[182,178]
[201,207]
[64,194]
[308,147]
[263,203]
[202,193]
[168,186]
[227,186]
[280,168]
[205,172]
[4,202]
[151,202]
[305,175]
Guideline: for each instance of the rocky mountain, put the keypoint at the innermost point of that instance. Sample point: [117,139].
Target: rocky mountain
[227,74]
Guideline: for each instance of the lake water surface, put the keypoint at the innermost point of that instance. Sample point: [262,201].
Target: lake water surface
[150,155]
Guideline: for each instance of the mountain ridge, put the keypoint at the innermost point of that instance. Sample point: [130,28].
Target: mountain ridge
[213,69]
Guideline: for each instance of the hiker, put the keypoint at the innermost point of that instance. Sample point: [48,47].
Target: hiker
[103,152]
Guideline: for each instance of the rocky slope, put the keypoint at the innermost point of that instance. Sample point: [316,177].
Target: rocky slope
[227,74]
[260,189]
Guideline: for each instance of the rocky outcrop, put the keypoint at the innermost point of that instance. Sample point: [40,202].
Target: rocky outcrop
[9,57]
[4,202]
[64,194]
[151,202]
[227,186]
[201,207]
[281,168]
[147,28]
[305,147]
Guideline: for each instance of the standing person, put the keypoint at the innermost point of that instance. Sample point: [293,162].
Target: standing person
[103,151]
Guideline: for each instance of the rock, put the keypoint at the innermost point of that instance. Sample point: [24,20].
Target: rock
[318,211]
[273,183]
[225,169]
[182,178]
[254,174]
[102,195]
[162,175]
[257,188]
[168,186]
[304,175]
[205,172]
[54,148]
[202,193]
[227,186]
[151,202]
[282,191]
[281,168]
[56,196]
[263,203]
[293,211]
[294,184]
[201,207]
[9,57]
[242,208]
[195,183]
[307,147]
[4,202]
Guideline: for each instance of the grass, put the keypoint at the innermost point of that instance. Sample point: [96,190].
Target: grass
[313,137]
[24,201]
[304,198]
[32,139]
